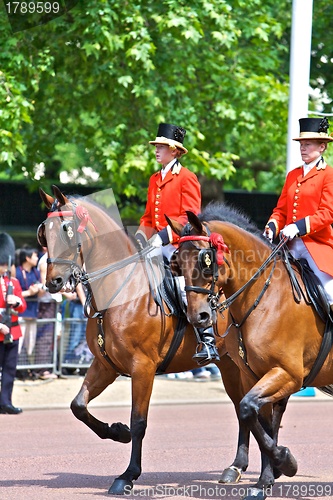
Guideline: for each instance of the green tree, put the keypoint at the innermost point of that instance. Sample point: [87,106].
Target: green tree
[88,90]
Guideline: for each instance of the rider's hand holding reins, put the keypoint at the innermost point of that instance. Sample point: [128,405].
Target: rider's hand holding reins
[290,231]
[155,241]
[268,234]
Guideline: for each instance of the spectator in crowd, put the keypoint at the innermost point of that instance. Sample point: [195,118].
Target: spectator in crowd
[47,310]
[30,281]
[13,303]
[77,350]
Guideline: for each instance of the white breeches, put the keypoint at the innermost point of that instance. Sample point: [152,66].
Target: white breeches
[167,252]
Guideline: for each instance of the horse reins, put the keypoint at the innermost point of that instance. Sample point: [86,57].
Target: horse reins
[213,298]
[273,255]
[77,214]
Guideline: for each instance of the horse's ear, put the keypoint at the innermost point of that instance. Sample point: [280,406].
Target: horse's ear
[62,199]
[194,221]
[46,198]
[175,226]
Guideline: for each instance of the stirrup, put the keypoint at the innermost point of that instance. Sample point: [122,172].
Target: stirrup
[205,356]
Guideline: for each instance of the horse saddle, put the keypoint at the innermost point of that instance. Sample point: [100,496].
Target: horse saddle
[313,287]
[171,293]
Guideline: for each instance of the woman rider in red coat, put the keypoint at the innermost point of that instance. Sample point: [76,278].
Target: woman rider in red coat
[172,191]
[304,212]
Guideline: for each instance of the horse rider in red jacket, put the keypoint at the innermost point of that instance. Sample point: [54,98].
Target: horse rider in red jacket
[304,212]
[172,191]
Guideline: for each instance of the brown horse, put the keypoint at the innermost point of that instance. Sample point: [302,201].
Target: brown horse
[271,335]
[127,332]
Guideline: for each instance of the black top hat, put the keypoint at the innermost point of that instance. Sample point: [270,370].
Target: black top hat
[172,135]
[314,128]
[7,248]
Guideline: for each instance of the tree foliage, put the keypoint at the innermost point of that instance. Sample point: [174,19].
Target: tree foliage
[87,90]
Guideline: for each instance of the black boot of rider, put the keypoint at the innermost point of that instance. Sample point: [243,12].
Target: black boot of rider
[206,349]
[331,312]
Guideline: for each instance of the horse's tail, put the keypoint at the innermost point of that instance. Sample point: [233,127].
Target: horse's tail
[327,389]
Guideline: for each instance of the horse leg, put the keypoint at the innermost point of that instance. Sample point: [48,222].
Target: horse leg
[275,459]
[278,410]
[142,385]
[233,473]
[235,388]
[270,421]
[232,384]
[281,457]
[98,377]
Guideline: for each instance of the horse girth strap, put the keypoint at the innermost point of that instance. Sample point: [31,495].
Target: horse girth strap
[325,348]
[175,343]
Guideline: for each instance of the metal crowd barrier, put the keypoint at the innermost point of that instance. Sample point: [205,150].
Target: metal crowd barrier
[53,344]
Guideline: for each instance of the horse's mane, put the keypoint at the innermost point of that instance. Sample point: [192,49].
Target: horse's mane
[227,213]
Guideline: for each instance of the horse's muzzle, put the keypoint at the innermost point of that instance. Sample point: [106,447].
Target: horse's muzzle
[55,284]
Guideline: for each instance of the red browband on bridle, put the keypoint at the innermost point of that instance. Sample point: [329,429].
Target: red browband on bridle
[214,239]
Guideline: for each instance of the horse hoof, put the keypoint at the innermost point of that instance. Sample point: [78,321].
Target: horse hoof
[121,487]
[287,463]
[120,432]
[231,475]
[255,494]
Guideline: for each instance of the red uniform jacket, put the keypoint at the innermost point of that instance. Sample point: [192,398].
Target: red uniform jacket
[17,290]
[178,192]
[308,201]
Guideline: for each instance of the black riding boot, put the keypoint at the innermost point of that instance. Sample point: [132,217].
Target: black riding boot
[206,348]
[331,312]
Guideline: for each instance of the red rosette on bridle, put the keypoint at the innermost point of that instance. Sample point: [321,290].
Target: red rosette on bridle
[217,241]
[83,215]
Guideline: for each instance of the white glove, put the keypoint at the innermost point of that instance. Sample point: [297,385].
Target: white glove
[155,241]
[268,233]
[290,231]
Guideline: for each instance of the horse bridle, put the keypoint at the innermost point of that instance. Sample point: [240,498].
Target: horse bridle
[209,260]
[213,299]
[71,231]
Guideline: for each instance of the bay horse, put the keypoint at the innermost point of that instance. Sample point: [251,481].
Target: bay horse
[270,334]
[126,331]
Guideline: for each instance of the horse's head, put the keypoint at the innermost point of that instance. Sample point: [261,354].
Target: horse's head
[218,230]
[201,259]
[61,234]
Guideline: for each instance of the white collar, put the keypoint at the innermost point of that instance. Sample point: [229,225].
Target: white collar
[168,167]
[308,166]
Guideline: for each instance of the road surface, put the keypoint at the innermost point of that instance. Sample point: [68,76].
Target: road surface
[49,455]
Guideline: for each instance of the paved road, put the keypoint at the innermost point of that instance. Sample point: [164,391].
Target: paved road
[49,455]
